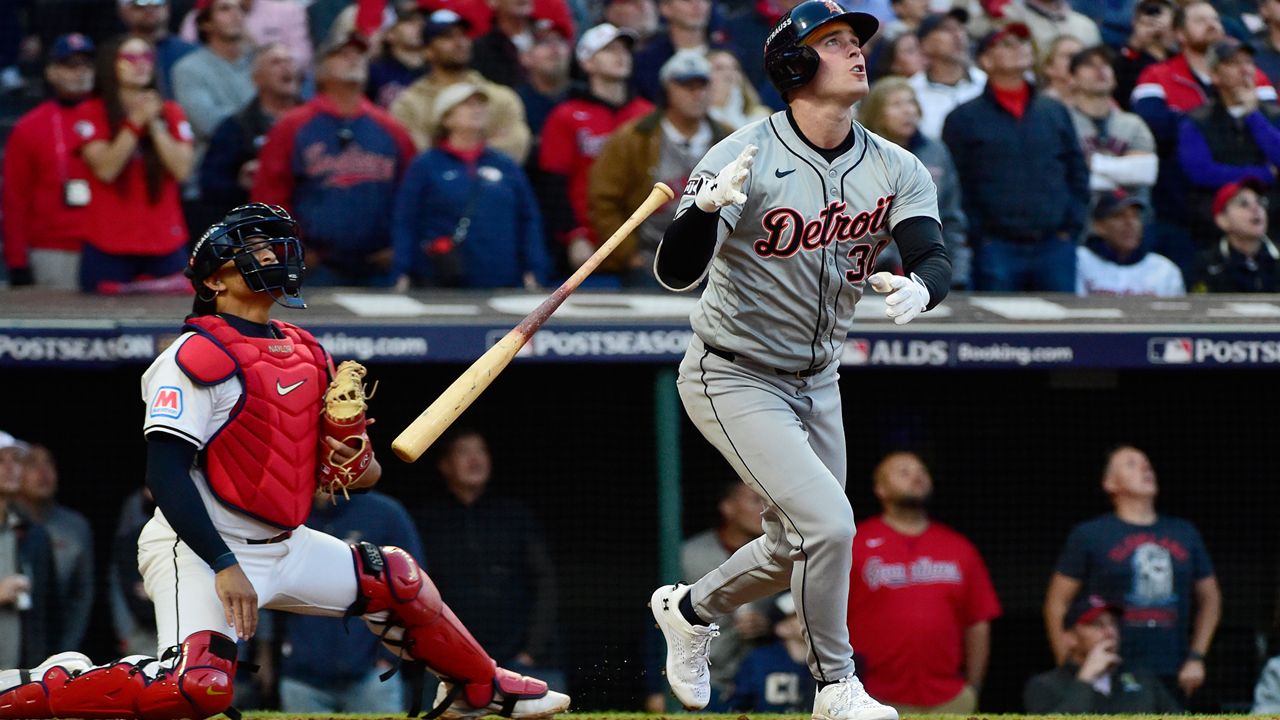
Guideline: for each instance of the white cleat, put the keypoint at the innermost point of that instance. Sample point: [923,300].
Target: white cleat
[549,705]
[688,669]
[73,662]
[848,700]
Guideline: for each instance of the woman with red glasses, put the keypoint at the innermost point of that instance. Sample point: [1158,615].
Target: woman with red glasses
[138,148]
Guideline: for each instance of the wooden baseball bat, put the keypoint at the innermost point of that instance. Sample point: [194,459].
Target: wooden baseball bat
[431,424]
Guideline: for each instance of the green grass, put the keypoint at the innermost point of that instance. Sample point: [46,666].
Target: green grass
[755,716]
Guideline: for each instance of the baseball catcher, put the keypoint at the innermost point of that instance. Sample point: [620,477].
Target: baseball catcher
[246,419]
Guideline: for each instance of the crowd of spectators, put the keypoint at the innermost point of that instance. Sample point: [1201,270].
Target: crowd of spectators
[465,143]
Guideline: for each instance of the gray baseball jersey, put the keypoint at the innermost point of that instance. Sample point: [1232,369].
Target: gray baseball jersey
[791,261]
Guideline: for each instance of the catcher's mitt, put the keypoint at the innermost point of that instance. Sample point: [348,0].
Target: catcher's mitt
[344,419]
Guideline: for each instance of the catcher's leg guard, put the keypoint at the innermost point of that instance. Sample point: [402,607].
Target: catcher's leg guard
[198,686]
[391,581]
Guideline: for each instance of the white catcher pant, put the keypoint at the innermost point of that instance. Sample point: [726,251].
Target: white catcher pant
[785,438]
[311,573]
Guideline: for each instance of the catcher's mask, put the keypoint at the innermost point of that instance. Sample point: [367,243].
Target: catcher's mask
[237,238]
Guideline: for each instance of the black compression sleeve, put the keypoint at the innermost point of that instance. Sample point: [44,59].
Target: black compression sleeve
[920,241]
[169,459]
[687,247]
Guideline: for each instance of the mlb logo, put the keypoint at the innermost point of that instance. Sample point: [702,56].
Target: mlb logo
[1169,351]
[167,403]
[857,351]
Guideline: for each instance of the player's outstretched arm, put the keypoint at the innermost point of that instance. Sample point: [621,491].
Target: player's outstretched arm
[690,240]
[726,188]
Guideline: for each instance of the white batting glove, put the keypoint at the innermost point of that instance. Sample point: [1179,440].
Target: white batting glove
[909,297]
[726,189]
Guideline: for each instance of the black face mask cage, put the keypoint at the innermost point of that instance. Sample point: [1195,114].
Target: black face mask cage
[281,279]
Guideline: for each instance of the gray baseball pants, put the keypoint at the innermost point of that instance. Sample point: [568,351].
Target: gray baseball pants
[785,438]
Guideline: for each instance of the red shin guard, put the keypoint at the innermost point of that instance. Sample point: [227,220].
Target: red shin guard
[390,580]
[199,686]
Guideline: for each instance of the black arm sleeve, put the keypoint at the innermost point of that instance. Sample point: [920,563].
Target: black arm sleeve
[687,247]
[169,459]
[924,253]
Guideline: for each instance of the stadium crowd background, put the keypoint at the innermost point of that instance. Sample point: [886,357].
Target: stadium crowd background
[448,143]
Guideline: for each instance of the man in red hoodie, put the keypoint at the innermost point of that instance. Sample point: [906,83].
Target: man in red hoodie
[576,131]
[46,183]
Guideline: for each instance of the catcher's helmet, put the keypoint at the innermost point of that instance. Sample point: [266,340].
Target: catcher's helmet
[237,237]
[789,63]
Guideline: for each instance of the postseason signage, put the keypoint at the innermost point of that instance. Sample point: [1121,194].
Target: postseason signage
[1007,346]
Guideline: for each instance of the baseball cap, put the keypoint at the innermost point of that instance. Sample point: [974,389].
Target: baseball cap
[70,44]
[338,44]
[8,441]
[454,95]
[1113,202]
[594,40]
[1087,608]
[1226,50]
[782,607]
[936,21]
[1089,53]
[1017,29]
[440,22]
[685,65]
[1227,192]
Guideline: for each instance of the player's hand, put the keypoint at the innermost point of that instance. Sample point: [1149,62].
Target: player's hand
[908,296]
[1100,660]
[726,189]
[343,451]
[1191,676]
[239,600]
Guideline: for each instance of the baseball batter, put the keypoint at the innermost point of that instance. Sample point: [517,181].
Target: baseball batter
[785,218]
[242,427]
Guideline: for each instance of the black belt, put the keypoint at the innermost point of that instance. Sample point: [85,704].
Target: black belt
[733,358]
[272,540]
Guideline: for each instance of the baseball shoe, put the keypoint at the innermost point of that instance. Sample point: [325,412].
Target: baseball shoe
[528,708]
[72,662]
[848,700]
[688,668]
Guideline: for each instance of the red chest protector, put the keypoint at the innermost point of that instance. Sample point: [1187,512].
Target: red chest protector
[263,461]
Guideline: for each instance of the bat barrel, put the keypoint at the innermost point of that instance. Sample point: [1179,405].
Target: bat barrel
[431,424]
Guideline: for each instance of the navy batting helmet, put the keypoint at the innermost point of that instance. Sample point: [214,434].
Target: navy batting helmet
[789,63]
[237,238]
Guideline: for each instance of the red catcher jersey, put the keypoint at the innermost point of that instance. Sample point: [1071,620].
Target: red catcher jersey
[910,600]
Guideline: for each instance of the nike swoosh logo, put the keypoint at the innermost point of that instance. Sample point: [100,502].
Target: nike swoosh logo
[783,173]
[282,391]
[875,542]
[211,691]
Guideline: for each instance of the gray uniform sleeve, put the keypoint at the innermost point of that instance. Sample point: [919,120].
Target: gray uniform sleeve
[694,226]
[916,194]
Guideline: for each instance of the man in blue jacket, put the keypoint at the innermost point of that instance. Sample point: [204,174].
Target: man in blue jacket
[1025,179]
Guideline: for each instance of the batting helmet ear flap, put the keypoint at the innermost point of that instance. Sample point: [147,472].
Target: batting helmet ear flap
[791,67]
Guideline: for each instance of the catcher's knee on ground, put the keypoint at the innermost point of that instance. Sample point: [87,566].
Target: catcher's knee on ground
[198,686]
[398,597]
